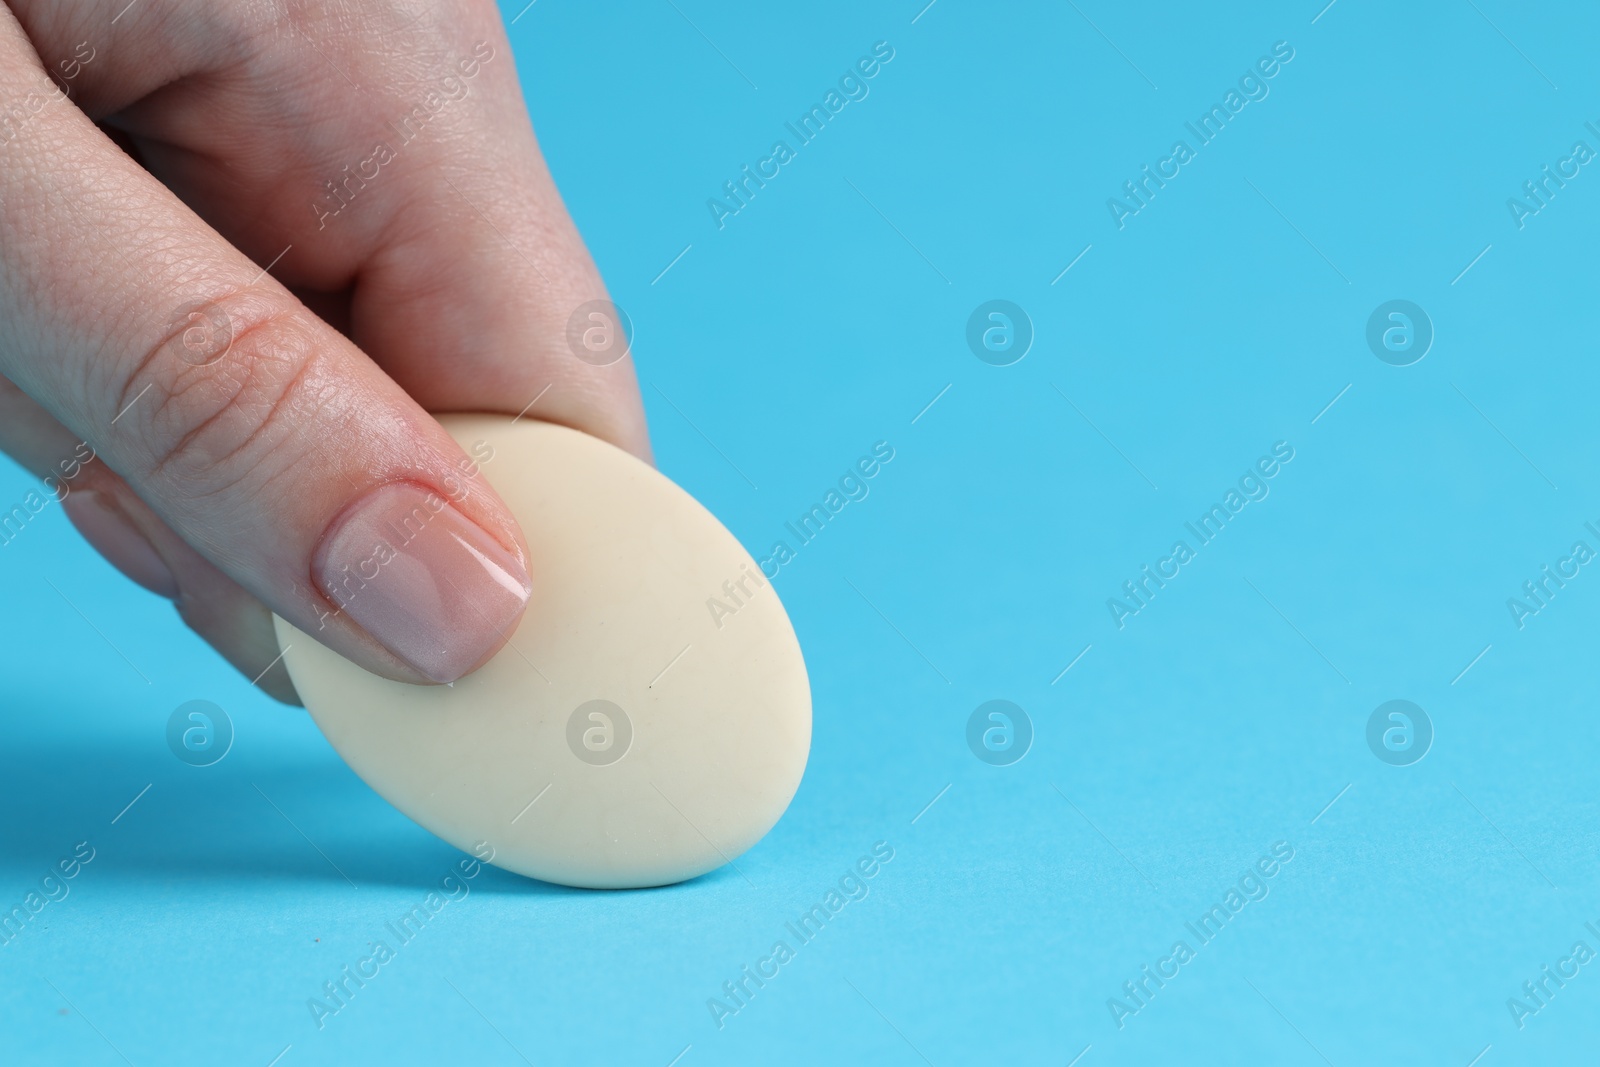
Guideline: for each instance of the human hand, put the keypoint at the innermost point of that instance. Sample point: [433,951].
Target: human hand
[246,442]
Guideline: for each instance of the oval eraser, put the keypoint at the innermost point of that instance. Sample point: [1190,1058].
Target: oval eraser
[648,721]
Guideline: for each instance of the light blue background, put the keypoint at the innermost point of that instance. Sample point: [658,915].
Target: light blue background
[1171,755]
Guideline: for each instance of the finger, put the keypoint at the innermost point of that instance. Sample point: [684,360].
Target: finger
[263,438]
[389,157]
[119,526]
[122,528]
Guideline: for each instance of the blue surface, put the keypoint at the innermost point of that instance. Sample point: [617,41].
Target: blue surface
[1229,714]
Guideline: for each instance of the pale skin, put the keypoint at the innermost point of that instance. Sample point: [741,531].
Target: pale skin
[444,283]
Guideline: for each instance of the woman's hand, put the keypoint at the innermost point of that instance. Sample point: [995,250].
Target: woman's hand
[244,441]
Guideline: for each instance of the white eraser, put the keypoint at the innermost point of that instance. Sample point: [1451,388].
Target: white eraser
[648,721]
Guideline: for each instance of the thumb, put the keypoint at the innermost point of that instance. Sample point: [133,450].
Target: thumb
[256,433]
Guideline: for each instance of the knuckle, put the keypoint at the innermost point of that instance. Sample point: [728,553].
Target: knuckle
[222,387]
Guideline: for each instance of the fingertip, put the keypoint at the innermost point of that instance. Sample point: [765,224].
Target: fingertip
[430,585]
